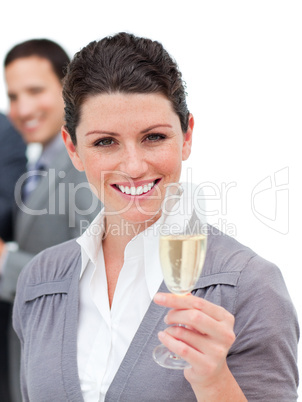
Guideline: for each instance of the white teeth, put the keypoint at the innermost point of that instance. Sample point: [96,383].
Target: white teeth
[136,190]
[31,123]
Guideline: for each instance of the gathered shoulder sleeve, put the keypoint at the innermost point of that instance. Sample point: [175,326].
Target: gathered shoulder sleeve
[45,290]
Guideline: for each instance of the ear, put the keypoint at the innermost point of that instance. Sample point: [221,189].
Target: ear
[72,150]
[187,144]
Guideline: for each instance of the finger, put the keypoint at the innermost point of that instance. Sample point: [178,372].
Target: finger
[202,363]
[200,343]
[183,350]
[210,344]
[191,302]
[194,319]
[190,337]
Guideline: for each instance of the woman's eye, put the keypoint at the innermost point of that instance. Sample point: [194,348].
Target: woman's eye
[105,142]
[155,137]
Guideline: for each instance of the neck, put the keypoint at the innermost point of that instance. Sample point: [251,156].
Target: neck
[119,232]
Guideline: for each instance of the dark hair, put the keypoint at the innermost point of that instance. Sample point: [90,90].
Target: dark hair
[122,63]
[43,48]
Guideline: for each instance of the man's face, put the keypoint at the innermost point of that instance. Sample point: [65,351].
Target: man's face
[36,103]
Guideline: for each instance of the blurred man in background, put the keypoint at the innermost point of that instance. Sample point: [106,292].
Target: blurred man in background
[54,201]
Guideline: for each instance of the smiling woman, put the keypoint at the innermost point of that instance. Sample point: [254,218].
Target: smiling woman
[136,142]
[85,309]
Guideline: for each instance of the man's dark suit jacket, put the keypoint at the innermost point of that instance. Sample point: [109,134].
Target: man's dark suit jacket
[12,165]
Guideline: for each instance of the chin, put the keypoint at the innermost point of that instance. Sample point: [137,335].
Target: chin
[136,218]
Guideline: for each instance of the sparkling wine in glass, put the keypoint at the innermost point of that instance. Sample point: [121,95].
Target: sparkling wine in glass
[182,250]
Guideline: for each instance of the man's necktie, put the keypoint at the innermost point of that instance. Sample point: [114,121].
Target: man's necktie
[34,175]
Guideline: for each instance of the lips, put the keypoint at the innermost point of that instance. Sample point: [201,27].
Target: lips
[137,190]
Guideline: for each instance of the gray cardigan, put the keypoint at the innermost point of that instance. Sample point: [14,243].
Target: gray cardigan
[262,359]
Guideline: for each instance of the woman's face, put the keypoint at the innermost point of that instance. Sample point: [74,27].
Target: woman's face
[130,146]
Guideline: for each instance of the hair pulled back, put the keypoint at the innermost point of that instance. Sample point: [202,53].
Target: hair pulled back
[122,63]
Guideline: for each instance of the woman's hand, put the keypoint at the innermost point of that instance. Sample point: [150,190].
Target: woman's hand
[204,344]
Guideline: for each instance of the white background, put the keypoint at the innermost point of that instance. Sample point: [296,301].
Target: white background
[242,62]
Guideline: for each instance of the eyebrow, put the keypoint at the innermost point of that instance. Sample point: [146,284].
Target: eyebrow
[102,132]
[146,130]
[155,126]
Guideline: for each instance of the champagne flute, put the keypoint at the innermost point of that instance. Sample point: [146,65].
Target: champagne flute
[182,249]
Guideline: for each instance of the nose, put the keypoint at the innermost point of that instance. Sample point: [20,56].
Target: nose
[134,162]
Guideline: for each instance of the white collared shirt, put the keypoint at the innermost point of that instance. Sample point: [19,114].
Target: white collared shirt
[105,334]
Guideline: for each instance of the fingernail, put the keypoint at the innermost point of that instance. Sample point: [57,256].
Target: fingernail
[161,335]
[166,319]
[159,297]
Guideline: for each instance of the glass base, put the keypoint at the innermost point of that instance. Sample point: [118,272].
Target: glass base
[167,359]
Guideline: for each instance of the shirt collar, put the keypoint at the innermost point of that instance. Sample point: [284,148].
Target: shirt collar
[91,240]
[144,246]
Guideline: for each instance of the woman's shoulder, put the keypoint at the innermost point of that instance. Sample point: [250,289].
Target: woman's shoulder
[225,253]
[52,264]
[227,257]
